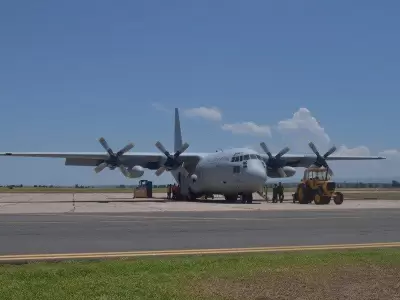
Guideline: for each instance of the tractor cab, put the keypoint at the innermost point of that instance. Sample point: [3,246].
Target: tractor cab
[316,174]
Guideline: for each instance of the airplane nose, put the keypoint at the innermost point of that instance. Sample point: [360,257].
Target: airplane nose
[257,173]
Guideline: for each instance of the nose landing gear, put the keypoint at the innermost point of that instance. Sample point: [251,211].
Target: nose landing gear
[246,198]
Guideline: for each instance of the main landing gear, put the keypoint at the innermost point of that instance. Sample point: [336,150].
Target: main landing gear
[244,198]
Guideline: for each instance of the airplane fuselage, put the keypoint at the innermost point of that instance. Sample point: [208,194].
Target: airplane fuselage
[227,172]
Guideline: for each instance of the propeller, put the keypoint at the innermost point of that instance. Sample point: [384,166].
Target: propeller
[321,160]
[173,162]
[276,162]
[113,159]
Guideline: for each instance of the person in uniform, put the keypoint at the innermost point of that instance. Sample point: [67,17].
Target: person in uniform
[280,192]
[275,193]
[169,191]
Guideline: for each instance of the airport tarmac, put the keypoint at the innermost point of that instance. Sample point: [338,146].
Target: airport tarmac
[49,223]
[24,203]
[116,232]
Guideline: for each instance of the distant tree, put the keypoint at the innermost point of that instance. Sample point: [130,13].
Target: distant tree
[395,183]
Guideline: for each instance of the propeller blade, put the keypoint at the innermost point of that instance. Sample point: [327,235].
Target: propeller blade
[124,171]
[172,162]
[160,171]
[162,148]
[330,151]
[105,146]
[183,170]
[125,149]
[100,167]
[313,148]
[183,148]
[281,172]
[282,152]
[266,150]
[321,160]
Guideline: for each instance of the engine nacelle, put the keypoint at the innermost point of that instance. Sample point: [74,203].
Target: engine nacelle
[289,171]
[135,172]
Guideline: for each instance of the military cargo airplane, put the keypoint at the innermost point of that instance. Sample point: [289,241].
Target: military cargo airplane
[231,172]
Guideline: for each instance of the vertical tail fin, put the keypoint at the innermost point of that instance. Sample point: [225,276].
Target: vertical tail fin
[177,132]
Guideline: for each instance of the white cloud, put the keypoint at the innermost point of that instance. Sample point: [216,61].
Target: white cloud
[303,121]
[297,131]
[356,151]
[249,128]
[209,113]
[394,153]
[159,107]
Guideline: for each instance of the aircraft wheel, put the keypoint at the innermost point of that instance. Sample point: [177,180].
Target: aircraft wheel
[249,198]
[231,198]
[338,199]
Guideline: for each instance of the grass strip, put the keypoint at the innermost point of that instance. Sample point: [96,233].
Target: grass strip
[350,274]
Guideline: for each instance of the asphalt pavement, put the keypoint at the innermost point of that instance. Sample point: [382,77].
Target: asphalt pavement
[112,232]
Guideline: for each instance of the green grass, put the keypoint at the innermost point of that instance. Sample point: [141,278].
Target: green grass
[73,190]
[362,274]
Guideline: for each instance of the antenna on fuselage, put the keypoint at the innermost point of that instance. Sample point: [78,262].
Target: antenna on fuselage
[177,132]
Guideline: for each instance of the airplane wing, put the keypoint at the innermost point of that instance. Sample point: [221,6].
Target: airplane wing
[147,160]
[304,161]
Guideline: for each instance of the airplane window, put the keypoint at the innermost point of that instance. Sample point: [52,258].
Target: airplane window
[236,158]
[241,158]
[246,157]
[258,157]
[253,156]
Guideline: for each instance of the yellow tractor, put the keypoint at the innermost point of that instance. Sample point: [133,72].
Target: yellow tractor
[317,186]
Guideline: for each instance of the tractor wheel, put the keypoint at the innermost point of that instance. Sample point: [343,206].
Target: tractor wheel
[303,195]
[338,199]
[318,199]
[326,200]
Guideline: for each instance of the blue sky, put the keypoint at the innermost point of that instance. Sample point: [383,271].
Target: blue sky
[72,71]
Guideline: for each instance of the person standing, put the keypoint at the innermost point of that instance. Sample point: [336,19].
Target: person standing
[169,191]
[275,193]
[280,192]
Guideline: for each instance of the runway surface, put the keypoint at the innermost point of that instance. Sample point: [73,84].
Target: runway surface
[114,232]
[14,203]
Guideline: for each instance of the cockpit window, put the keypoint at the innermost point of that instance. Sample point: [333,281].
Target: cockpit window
[236,157]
